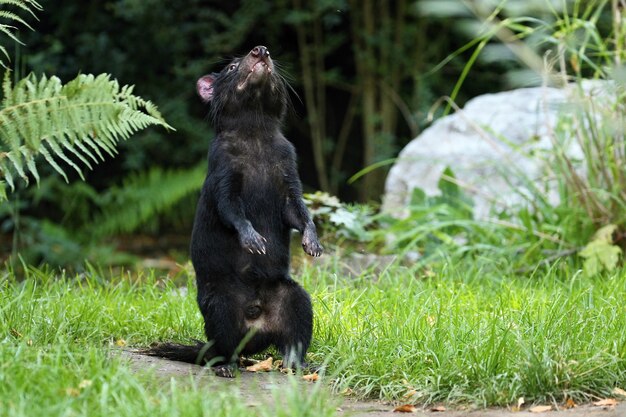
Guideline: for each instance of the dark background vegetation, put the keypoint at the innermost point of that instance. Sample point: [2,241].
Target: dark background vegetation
[363,78]
[163,47]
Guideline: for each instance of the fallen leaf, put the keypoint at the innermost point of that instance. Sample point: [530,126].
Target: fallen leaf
[410,394]
[72,392]
[405,408]
[287,371]
[120,342]
[619,391]
[15,333]
[570,404]
[438,408]
[607,402]
[263,366]
[312,377]
[520,403]
[84,384]
[540,408]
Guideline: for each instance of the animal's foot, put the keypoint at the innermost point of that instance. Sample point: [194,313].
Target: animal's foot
[225,371]
[310,244]
[253,242]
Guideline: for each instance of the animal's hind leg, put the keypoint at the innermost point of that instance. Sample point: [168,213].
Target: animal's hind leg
[296,328]
[223,318]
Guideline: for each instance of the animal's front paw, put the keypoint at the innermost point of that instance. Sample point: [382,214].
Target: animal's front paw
[310,244]
[253,242]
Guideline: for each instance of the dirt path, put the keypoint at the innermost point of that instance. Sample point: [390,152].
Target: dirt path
[255,387]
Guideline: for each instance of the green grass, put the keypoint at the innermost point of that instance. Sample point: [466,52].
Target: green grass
[459,334]
[470,336]
[58,344]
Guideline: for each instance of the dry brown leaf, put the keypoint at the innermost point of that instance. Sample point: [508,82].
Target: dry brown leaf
[410,393]
[438,408]
[520,403]
[619,391]
[263,366]
[540,408]
[607,402]
[569,404]
[312,377]
[84,384]
[16,334]
[405,408]
[72,392]
[429,273]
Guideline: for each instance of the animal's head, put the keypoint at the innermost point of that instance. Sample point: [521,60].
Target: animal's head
[247,84]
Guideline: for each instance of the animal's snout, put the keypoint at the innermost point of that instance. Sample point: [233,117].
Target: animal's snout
[260,52]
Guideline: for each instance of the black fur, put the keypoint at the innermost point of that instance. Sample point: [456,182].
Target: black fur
[250,201]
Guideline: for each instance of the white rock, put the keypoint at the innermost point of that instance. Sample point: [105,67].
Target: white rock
[493,146]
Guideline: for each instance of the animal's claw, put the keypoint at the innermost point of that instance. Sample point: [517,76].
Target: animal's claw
[225,371]
[312,246]
[253,242]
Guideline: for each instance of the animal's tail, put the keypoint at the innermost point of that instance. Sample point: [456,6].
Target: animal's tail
[199,354]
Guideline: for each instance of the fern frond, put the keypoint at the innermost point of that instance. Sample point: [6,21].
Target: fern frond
[26,5]
[86,118]
[10,30]
[12,16]
[143,196]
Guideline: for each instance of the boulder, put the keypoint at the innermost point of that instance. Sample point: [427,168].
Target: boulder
[493,146]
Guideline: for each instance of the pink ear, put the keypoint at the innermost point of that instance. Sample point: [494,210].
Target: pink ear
[205,87]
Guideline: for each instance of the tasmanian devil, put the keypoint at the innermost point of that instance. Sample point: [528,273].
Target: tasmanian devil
[250,201]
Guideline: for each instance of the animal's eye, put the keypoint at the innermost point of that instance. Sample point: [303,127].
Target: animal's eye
[232,67]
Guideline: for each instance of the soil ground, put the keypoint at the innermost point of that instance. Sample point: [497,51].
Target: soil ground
[257,388]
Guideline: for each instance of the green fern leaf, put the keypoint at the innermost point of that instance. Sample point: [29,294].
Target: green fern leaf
[143,196]
[10,30]
[26,5]
[84,118]
[8,177]
[12,16]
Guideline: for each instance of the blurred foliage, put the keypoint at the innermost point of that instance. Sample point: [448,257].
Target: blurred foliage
[585,36]
[341,221]
[570,45]
[81,120]
[76,123]
[365,75]
[163,47]
[589,221]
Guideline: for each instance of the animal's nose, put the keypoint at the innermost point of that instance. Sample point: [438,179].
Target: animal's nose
[260,51]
